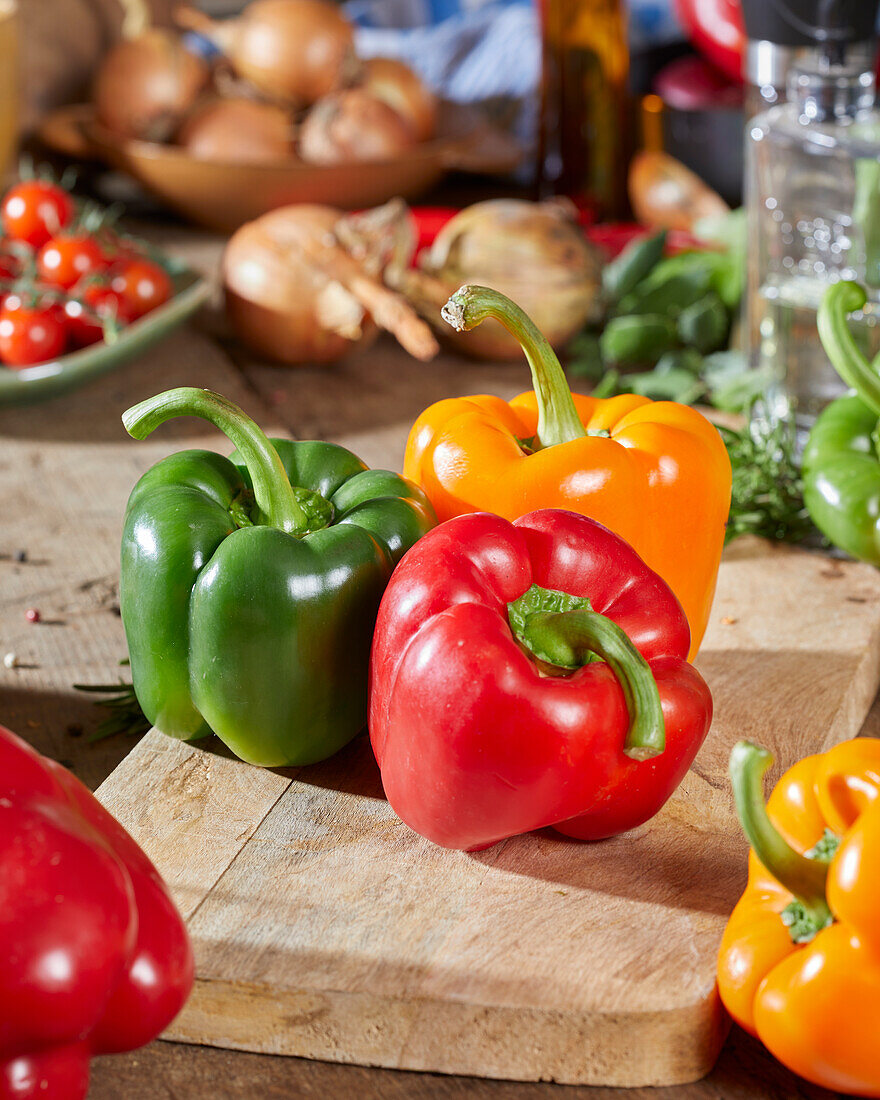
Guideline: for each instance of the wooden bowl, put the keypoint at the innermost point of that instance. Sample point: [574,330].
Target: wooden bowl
[225,196]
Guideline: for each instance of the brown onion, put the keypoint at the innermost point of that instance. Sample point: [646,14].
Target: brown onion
[353,125]
[292,50]
[665,194]
[145,84]
[273,290]
[534,252]
[397,85]
[237,131]
[303,283]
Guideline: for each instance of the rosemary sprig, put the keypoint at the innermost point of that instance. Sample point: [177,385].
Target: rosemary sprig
[125,715]
[767,496]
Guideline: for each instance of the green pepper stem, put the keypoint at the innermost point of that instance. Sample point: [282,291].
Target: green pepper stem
[839,300]
[804,878]
[558,421]
[272,490]
[565,637]
[866,215]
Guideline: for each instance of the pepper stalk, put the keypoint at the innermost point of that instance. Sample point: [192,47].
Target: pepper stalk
[564,631]
[274,495]
[558,420]
[803,877]
[839,300]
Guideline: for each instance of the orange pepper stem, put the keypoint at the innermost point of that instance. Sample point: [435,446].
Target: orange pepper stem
[558,421]
[804,878]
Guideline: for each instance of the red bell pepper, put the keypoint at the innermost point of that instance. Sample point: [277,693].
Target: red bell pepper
[530,674]
[94,957]
[716,28]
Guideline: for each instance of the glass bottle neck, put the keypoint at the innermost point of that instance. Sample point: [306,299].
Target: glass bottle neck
[824,91]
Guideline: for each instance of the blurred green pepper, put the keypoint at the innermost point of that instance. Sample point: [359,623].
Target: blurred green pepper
[841,466]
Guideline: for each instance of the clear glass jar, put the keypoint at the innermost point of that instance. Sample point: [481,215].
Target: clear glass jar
[813,203]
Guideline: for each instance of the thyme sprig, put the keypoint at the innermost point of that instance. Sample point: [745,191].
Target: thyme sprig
[767,497]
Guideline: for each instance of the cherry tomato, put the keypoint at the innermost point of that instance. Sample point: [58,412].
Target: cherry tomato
[34,210]
[142,285]
[9,269]
[29,334]
[83,326]
[63,260]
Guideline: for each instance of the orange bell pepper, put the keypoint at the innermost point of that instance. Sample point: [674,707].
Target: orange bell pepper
[799,964]
[654,472]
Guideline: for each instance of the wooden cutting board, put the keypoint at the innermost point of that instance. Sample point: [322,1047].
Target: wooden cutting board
[324,927]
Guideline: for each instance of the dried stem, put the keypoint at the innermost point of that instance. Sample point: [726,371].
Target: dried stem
[388,308]
[135,17]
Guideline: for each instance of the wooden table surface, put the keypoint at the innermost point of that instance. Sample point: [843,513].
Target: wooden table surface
[66,467]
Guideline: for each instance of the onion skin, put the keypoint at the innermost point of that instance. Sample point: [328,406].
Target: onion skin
[294,50]
[144,85]
[665,194]
[396,84]
[353,125]
[272,289]
[237,131]
[535,253]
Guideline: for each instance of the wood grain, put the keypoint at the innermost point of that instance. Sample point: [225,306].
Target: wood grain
[66,469]
[172,1071]
[540,958]
[206,804]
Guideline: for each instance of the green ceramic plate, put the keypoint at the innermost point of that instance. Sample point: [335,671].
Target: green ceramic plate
[51,379]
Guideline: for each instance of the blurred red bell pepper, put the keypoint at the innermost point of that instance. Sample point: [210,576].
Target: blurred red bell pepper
[530,674]
[611,237]
[716,28]
[94,957]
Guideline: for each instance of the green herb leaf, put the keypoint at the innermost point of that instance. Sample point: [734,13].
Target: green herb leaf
[767,495]
[584,357]
[125,715]
[607,384]
[668,385]
[733,385]
[685,359]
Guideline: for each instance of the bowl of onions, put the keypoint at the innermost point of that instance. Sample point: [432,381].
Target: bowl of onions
[226,120]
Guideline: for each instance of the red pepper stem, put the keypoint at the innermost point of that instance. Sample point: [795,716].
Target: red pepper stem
[804,878]
[566,637]
[839,300]
[558,420]
[272,490]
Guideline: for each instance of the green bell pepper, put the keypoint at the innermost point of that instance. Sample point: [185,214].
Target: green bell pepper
[250,585]
[841,464]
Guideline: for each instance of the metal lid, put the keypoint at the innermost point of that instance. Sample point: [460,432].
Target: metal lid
[810,22]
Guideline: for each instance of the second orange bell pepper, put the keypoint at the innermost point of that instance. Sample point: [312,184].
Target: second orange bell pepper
[654,472]
[799,964]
